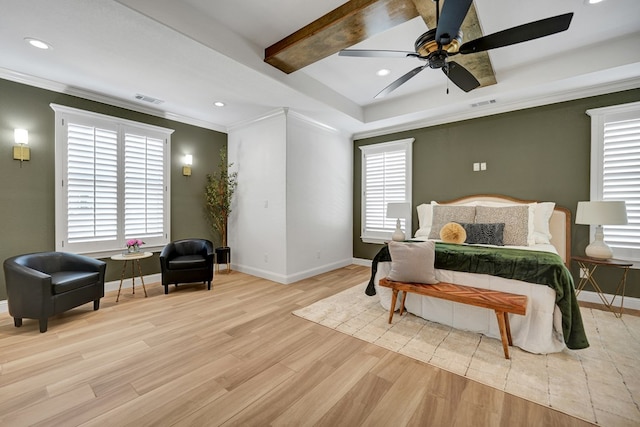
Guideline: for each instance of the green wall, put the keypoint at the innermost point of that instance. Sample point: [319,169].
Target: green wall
[540,153]
[27,210]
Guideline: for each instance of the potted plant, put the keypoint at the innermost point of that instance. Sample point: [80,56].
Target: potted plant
[218,194]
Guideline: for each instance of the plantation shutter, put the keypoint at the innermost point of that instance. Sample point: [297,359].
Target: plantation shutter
[143,186]
[112,183]
[92,184]
[385,179]
[615,171]
[621,180]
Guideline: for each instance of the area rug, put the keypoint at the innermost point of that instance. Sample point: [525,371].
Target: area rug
[600,384]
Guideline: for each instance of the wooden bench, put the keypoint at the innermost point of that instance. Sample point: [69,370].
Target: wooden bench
[501,302]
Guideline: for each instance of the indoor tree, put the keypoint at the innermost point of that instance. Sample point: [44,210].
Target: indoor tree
[218,194]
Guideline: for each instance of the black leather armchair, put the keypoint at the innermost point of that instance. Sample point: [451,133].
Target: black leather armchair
[43,284]
[187,261]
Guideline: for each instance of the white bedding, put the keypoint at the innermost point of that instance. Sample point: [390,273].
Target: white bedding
[540,330]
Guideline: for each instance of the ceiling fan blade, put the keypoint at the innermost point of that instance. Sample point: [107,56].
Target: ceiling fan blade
[377,53]
[460,76]
[519,34]
[402,80]
[451,17]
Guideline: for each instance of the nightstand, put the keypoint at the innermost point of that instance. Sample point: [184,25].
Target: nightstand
[590,265]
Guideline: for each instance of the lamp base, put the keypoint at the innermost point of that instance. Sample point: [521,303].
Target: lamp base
[398,235]
[598,248]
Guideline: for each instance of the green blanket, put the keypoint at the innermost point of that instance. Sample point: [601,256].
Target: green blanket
[542,268]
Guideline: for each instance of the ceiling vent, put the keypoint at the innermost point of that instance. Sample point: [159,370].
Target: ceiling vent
[480,104]
[149,99]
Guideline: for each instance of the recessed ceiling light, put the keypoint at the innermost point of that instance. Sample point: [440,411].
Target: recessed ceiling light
[219,104]
[593,1]
[37,43]
[383,72]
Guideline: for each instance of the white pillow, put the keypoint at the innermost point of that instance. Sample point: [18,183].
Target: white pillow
[425,213]
[412,262]
[543,212]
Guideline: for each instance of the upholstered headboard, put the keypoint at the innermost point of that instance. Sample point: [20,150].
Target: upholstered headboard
[559,224]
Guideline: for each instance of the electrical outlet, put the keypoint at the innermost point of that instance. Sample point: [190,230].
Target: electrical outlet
[318,255]
[584,273]
[266,257]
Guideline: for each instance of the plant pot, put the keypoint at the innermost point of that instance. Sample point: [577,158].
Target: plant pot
[223,256]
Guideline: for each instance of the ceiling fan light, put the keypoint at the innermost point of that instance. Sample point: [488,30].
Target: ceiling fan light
[426,43]
[383,72]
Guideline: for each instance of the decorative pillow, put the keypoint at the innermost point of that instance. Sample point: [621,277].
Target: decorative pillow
[484,234]
[453,232]
[543,212]
[532,214]
[515,218]
[412,262]
[443,214]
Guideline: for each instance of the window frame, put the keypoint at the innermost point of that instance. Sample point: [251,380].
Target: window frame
[106,248]
[405,145]
[599,118]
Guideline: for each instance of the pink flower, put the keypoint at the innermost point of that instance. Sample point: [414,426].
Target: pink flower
[134,242]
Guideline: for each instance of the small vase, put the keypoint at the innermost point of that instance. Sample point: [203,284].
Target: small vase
[133,249]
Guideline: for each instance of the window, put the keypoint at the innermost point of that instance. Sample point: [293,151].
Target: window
[386,178]
[112,182]
[615,171]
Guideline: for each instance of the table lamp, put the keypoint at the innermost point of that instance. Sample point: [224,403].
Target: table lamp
[601,213]
[398,210]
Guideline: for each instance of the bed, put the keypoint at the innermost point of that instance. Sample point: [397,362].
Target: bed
[532,231]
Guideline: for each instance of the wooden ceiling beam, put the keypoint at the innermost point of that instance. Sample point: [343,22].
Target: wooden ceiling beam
[358,20]
[351,23]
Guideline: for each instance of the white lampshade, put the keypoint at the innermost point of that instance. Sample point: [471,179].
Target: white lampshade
[21,136]
[601,213]
[188,159]
[398,210]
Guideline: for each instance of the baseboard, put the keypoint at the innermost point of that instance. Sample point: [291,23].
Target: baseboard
[318,270]
[291,278]
[265,274]
[361,261]
[127,283]
[593,297]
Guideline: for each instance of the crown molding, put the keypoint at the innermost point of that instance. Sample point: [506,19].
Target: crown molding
[505,107]
[104,99]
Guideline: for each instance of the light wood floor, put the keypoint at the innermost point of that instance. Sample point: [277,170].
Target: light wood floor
[234,355]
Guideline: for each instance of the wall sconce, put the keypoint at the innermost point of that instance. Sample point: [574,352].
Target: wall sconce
[20,151]
[188,161]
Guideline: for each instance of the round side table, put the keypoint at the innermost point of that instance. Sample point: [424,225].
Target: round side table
[135,259]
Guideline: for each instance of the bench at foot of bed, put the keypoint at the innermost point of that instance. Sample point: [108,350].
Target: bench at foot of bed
[501,302]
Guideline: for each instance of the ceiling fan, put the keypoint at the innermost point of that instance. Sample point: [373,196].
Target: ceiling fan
[438,44]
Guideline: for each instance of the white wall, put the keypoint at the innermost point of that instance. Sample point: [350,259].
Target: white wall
[292,212]
[257,225]
[319,198]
